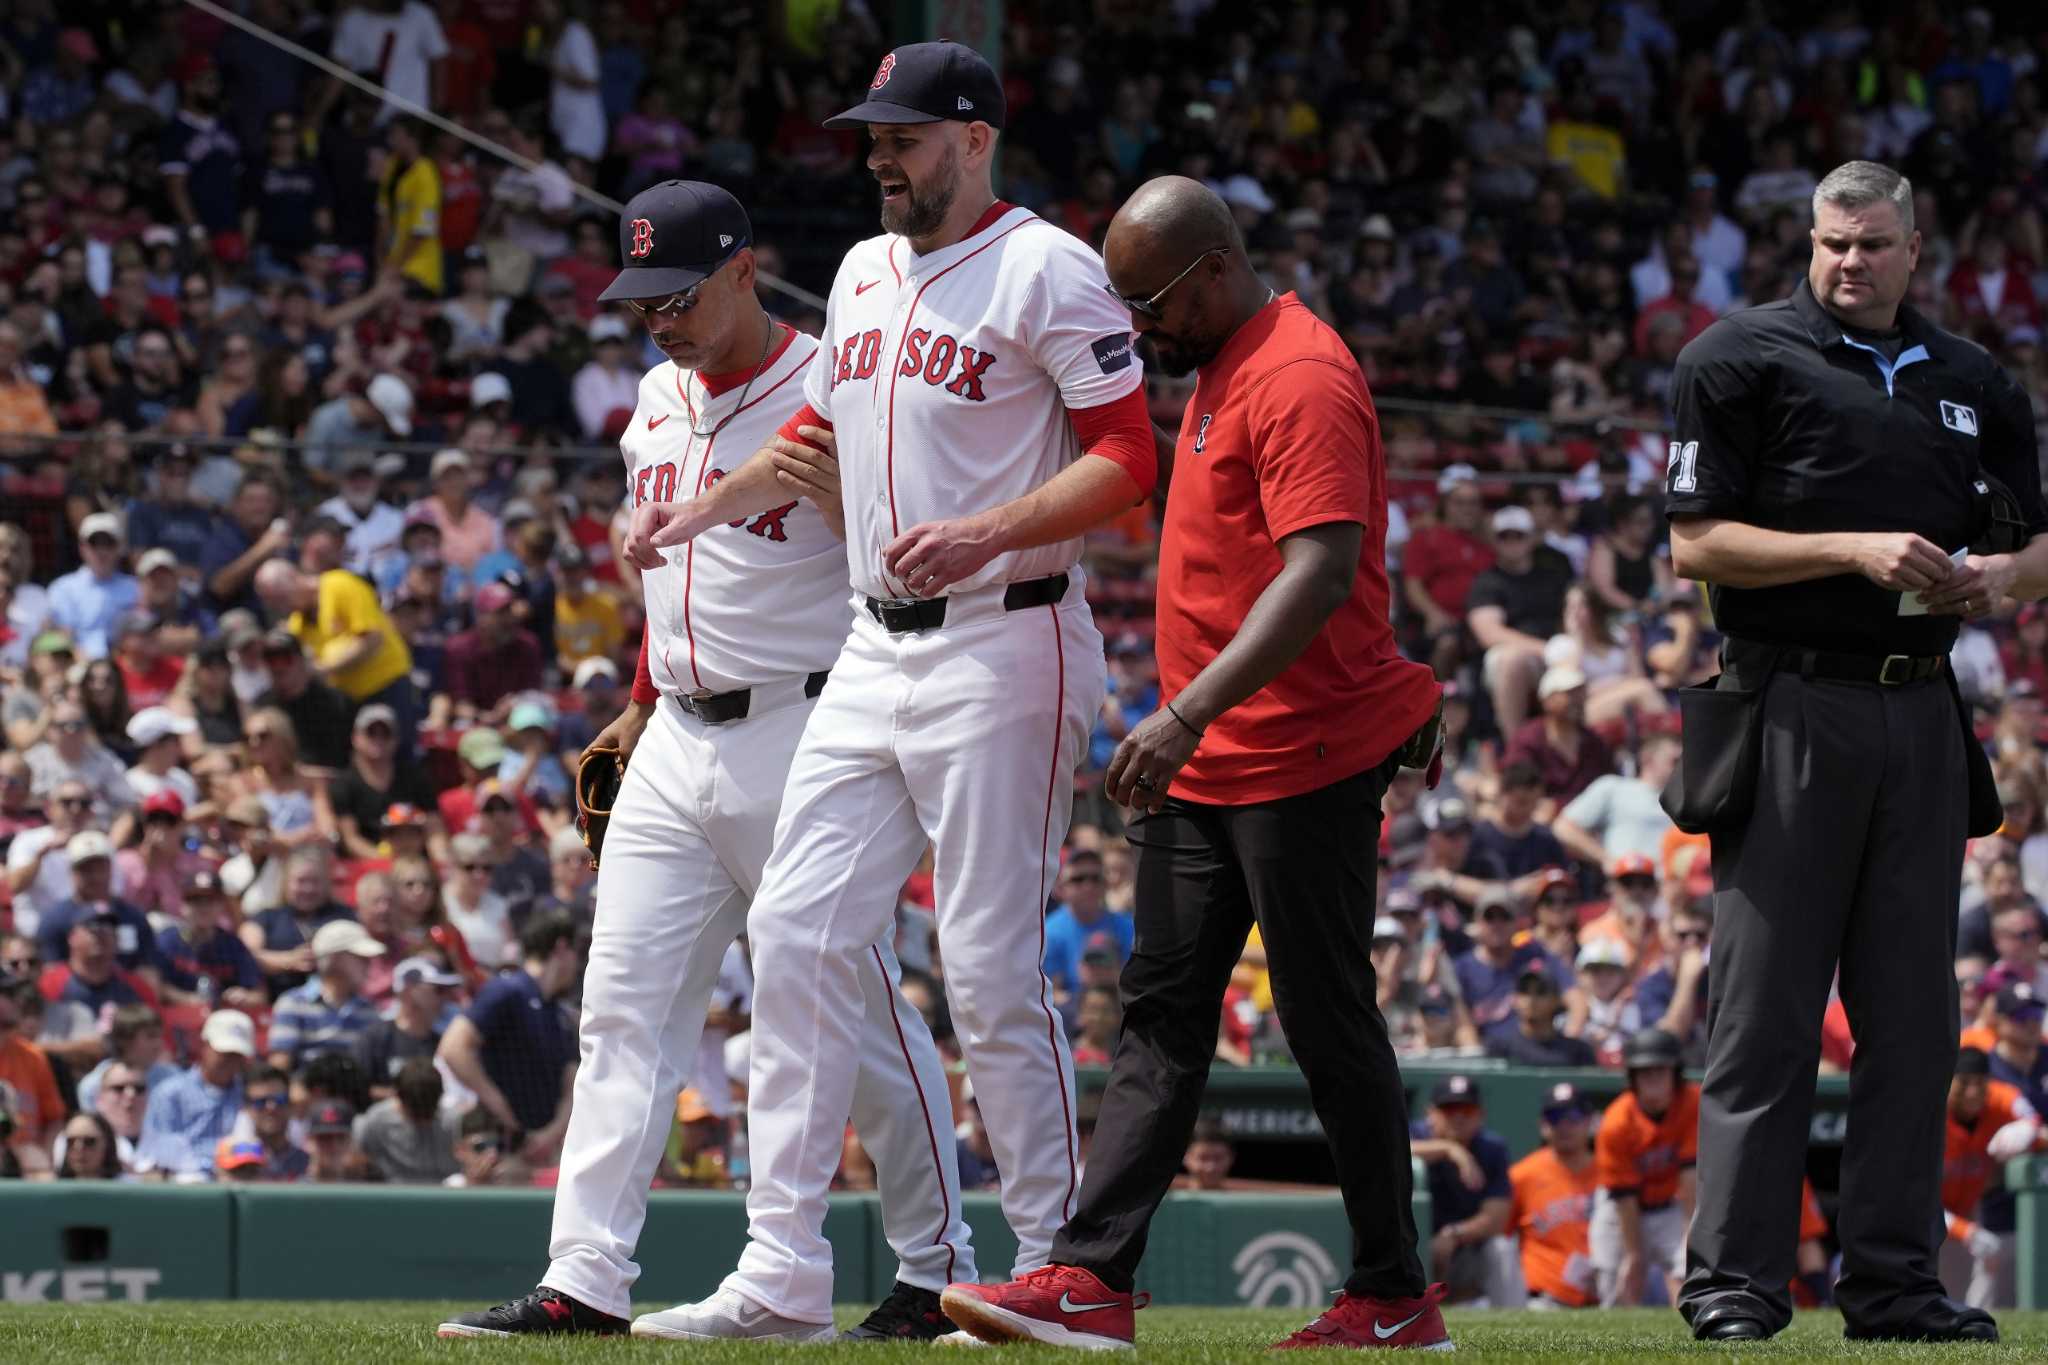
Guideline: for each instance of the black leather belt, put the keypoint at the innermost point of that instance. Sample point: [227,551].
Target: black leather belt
[1890,670]
[716,708]
[906,615]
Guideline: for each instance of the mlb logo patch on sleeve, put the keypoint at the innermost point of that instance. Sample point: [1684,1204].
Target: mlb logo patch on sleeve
[1956,417]
[1114,353]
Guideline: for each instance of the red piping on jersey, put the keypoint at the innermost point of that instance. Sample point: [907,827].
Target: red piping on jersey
[892,261]
[690,552]
[924,1107]
[996,210]
[1052,1037]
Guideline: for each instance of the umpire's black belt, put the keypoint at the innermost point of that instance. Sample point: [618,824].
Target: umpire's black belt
[716,708]
[907,615]
[1890,670]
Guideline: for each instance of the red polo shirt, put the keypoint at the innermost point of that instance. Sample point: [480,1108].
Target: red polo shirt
[1279,436]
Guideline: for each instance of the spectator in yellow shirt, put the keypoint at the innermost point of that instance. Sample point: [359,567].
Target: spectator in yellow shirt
[335,615]
[587,624]
[409,208]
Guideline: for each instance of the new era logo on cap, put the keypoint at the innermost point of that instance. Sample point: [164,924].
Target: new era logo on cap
[965,103]
[724,239]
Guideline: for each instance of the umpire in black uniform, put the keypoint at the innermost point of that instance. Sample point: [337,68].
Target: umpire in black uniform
[1835,452]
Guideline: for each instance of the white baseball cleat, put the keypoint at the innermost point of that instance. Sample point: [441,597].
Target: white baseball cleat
[959,1338]
[725,1316]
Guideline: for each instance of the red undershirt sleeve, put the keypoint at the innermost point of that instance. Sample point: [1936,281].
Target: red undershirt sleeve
[643,678]
[806,416]
[1120,431]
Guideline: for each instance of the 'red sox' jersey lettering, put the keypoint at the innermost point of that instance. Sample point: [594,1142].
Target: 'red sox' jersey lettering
[940,361]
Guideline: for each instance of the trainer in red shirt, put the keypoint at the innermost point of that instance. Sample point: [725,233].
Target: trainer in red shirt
[1287,711]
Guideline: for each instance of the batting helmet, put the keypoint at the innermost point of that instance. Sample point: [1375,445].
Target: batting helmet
[1651,1047]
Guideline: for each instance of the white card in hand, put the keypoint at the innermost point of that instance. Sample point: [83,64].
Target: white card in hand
[1910,603]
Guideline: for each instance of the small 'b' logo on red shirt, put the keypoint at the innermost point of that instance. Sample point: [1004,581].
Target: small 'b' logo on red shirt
[643,238]
[882,72]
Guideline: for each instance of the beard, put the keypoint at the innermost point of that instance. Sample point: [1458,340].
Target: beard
[1178,357]
[923,212]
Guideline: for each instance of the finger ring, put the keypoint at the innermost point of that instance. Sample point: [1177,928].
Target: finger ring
[1143,784]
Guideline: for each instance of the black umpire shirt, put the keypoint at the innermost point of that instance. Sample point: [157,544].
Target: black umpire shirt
[1788,423]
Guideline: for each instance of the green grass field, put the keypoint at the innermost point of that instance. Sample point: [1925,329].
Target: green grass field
[319,1333]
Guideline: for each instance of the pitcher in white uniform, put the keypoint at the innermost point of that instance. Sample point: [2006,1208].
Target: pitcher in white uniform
[988,411]
[742,627]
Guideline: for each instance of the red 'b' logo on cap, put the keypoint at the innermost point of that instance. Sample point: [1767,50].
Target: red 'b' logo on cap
[882,72]
[643,238]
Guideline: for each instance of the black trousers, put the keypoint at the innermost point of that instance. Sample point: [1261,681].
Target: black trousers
[1852,858]
[1304,869]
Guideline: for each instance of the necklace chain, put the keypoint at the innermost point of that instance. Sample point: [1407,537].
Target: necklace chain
[767,340]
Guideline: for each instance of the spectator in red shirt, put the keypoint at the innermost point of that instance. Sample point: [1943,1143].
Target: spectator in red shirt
[1680,303]
[1992,291]
[492,661]
[148,671]
[2026,654]
[1563,750]
[465,74]
[1441,561]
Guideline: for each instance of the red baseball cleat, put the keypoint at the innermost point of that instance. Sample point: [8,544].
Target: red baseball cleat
[1060,1305]
[1369,1324]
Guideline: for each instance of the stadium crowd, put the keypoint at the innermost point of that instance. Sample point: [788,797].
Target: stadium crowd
[312,592]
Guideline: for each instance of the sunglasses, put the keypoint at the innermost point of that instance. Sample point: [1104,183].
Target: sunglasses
[497,808]
[1149,307]
[474,867]
[74,802]
[1554,898]
[1499,916]
[83,1139]
[265,1101]
[17,965]
[1639,883]
[675,305]
[378,731]
[127,1088]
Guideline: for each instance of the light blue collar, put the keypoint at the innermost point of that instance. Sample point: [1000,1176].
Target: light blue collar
[1888,368]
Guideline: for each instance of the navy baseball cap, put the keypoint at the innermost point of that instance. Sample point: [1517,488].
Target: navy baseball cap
[927,82]
[674,234]
[1563,1100]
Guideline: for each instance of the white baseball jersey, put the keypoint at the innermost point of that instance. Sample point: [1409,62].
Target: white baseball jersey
[947,379]
[706,608]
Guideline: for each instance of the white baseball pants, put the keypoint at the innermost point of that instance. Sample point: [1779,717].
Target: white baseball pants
[966,736]
[689,834]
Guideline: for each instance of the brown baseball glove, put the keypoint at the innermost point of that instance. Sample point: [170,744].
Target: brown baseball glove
[597,786]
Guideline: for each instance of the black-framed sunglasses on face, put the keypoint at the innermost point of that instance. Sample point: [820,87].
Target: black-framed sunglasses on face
[1149,307]
[675,305]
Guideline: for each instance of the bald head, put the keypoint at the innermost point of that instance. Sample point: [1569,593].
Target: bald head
[280,584]
[1173,216]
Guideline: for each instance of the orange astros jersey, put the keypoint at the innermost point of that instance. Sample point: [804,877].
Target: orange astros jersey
[1551,1209]
[1813,1224]
[1968,1167]
[1637,1155]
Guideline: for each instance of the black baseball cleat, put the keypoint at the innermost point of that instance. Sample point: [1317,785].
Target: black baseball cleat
[544,1312]
[908,1314]
[1942,1320]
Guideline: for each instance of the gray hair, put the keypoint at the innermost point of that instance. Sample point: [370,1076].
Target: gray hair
[1858,184]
